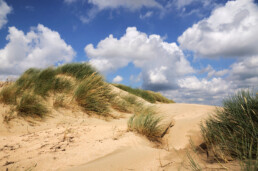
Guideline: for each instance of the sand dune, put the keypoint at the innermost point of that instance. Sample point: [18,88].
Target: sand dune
[75,141]
[71,140]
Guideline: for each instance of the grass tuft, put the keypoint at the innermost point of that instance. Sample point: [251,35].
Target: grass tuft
[62,85]
[31,105]
[77,70]
[44,81]
[147,124]
[233,131]
[8,95]
[93,94]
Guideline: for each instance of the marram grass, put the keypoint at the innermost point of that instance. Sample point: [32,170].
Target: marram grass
[147,123]
[233,130]
[93,94]
[31,105]
[147,95]
[88,87]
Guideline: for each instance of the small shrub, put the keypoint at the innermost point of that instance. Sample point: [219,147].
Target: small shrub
[234,128]
[31,105]
[93,94]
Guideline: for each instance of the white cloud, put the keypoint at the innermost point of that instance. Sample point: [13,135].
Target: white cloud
[4,10]
[146,15]
[244,73]
[41,47]
[161,62]
[130,4]
[165,68]
[217,85]
[231,31]
[212,72]
[117,79]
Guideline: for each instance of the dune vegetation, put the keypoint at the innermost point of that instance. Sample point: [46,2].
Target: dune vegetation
[146,122]
[232,132]
[30,92]
[147,95]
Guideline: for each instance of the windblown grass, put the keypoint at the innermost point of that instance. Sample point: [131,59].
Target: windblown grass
[41,82]
[147,95]
[193,164]
[127,103]
[8,95]
[233,131]
[147,123]
[77,70]
[31,105]
[130,99]
[93,94]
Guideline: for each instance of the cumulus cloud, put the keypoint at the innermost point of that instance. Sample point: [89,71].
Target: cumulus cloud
[40,47]
[4,10]
[162,63]
[230,31]
[118,79]
[165,68]
[242,74]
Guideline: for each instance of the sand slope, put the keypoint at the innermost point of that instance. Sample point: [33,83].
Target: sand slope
[71,140]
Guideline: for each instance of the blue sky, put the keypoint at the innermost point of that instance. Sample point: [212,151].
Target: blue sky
[192,51]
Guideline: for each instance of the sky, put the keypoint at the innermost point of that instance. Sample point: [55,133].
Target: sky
[192,51]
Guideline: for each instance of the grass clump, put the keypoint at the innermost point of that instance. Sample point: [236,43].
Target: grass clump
[130,99]
[8,95]
[41,82]
[147,95]
[44,81]
[147,123]
[233,131]
[77,70]
[93,94]
[31,105]
[62,85]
